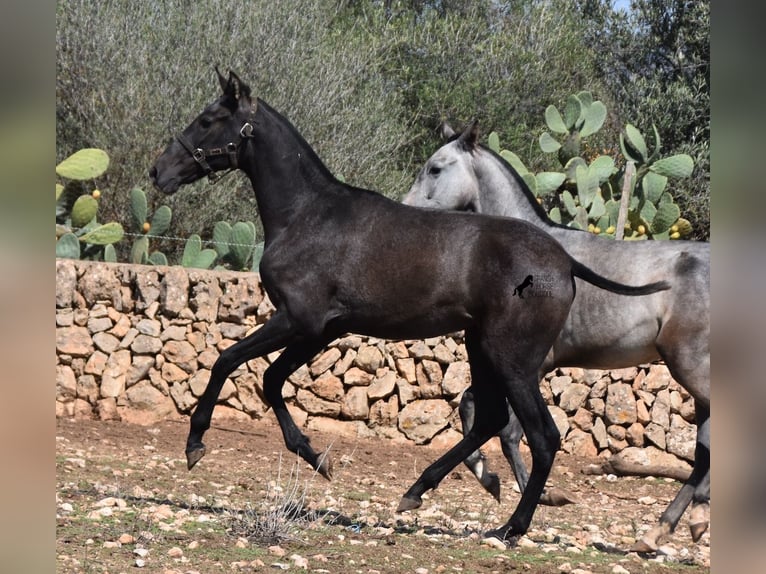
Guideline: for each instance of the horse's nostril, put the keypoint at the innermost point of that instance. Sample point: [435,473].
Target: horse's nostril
[153,173]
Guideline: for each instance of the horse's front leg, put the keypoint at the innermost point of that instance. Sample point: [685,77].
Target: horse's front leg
[275,334]
[295,355]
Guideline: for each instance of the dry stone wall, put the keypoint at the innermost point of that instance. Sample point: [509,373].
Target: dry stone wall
[137,343]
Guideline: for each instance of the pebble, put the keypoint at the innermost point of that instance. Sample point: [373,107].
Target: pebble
[619,570]
[494,543]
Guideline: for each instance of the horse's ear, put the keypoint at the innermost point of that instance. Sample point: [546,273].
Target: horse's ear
[221,80]
[446,131]
[470,136]
[236,87]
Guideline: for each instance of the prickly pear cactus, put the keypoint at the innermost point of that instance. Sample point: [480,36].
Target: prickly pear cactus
[78,231]
[586,195]
[195,256]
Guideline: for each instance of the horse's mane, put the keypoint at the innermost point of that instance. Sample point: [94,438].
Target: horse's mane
[308,150]
[531,199]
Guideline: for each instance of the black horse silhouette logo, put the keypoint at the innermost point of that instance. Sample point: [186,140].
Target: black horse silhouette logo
[520,288]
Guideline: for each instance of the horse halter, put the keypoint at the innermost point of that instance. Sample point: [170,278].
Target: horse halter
[230,149]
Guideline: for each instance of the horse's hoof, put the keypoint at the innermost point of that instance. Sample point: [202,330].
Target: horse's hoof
[699,520]
[409,503]
[698,529]
[644,547]
[491,484]
[194,455]
[650,541]
[558,497]
[325,465]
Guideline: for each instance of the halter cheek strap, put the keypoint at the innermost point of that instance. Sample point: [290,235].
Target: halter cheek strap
[230,150]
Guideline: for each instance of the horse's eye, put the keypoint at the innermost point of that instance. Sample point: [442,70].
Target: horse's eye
[205,123]
[434,170]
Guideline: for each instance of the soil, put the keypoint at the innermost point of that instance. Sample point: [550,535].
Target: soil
[125,500]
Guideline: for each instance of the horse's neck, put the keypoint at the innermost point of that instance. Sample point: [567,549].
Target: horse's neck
[285,172]
[501,194]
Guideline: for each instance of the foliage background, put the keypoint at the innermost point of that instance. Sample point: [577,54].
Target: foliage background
[369,82]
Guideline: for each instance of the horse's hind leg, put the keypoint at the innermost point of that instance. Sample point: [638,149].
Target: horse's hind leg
[274,335]
[476,461]
[491,415]
[295,355]
[696,490]
[544,440]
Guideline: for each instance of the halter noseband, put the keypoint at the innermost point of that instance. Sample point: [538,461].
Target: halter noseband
[230,149]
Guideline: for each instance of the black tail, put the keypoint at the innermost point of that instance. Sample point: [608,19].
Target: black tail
[587,274]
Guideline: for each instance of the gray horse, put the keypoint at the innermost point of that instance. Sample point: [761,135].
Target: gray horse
[602,331]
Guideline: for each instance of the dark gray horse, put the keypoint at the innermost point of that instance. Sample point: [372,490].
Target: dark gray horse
[340,259]
[602,331]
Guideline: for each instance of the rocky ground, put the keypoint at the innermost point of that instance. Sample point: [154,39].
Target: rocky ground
[125,500]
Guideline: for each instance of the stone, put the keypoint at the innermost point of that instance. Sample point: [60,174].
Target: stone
[406,368]
[146,345]
[355,404]
[599,434]
[582,419]
[328,387]
[183,397]
[98,324]
[174,333]
[559,384]
[241,298]
[357,377]
[385,412]
[649,456]
[315,405]
[182,354]
[250,394]
[407,392]
[139,369]
[443,355]
[113,379]
[66,281]
[660,412]
[368,358]
[429,377]
[98,283]
[147,288]
[422,419]
[620,404]
[198,382]
[145,405]
[344,363]
[87,388]
[419,350]
[635,434]
[96,363]
[75,341]
[172,373]
[106,342]
[66,383]
[681,438]
[580,443]
[106,409]
[657,378]
[397,349]
[655,434]
[457,378]
[560,418]
[573,397]
[174,291]
[205,294]
[382,385]
[325,361]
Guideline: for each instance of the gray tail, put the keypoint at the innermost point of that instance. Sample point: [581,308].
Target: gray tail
[587,274]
